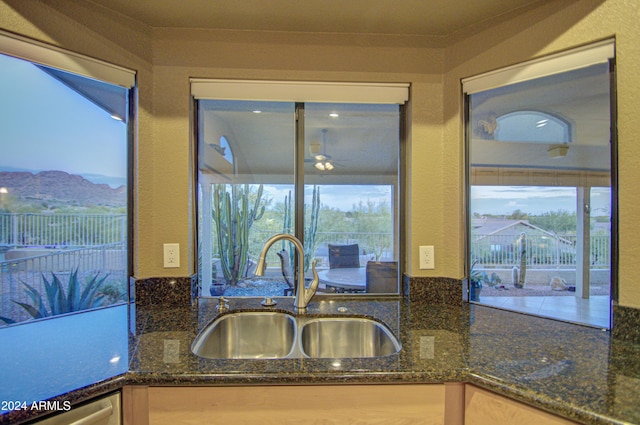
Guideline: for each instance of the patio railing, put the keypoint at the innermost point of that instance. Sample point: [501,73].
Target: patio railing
[558,251]
[105,260]
[36,245]
[48,230]
[373,244]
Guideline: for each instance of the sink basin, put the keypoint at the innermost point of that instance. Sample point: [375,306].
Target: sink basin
[277,335]
[247,335]
[347,337]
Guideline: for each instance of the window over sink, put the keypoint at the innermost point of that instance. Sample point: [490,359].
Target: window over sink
[327,171]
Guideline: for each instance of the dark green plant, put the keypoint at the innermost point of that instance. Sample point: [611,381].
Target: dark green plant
[233,217]
[113,292]
[75,298]
[476,277]
[310,242]
[310,239]
[523,260]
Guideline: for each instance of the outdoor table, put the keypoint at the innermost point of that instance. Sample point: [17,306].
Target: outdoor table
[344,279]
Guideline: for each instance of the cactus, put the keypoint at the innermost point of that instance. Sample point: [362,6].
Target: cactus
[233,218]
[523,260]
[310,233]
[286,225]
[310,241]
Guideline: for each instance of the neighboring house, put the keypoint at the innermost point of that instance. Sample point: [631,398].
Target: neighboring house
[496,241]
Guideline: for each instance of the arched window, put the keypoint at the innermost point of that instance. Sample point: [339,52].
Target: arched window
[532,126]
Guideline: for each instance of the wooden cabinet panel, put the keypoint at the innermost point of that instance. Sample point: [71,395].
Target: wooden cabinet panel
[135,405]
[486,408]
[330,404]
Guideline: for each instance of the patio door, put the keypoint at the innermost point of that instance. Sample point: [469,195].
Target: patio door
[541,184]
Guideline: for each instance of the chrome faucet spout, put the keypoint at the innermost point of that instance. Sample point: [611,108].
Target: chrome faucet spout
[303,294]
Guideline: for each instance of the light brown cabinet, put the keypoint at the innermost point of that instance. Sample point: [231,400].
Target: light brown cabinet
[484,407]
[430,404]
[286,404]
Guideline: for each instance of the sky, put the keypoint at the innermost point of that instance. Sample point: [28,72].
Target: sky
[504,200]
[44,125]
[340,197]
[485,200]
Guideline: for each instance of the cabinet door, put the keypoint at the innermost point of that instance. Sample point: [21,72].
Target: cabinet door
[486,408]
[330,404]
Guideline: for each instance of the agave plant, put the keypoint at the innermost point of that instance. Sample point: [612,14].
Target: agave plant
[75,298]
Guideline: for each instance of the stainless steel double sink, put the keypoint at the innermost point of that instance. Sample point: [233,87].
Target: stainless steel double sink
[279,335]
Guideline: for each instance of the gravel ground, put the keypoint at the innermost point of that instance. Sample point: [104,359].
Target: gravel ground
[256,288]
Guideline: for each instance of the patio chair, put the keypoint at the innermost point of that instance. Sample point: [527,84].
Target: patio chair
[382,277]
[287,271]
[342,256]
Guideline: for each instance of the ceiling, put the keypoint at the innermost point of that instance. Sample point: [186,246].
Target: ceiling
[439,18]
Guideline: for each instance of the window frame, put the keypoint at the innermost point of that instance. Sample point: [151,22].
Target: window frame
[301,93]
[56,58]
[569,60]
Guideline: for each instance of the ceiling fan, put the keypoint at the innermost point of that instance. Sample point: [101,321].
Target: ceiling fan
[322,161]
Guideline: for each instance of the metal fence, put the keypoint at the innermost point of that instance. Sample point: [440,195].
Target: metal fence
[35,246]
[543,251]
[52,230]
[377,245]
[105,260]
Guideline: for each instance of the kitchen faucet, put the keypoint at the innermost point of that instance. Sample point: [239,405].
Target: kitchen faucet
[303,294]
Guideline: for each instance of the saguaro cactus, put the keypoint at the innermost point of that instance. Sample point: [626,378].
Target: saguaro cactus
[523,260]
[310,232]
[233,215]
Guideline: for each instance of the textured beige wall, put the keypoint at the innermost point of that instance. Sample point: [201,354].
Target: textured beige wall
[180,54]
[166,59]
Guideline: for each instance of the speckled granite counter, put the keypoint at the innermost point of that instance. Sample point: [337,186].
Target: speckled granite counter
[573,371]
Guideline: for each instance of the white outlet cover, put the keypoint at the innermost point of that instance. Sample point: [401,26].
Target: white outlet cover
[427,257]
[171,255]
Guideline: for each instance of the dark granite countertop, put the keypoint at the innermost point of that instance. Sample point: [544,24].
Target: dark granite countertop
[574,371]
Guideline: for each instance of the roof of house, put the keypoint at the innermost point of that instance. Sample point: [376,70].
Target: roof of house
[489,226]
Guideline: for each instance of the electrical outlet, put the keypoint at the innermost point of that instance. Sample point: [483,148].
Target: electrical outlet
[427,258]
[171,255]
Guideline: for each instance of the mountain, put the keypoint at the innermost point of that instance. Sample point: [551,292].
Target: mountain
[59,186]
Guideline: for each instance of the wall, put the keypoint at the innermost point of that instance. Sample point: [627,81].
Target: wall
[167,58]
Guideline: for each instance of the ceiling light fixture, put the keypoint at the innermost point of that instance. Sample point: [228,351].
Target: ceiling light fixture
[324,166]
[323,161]
[334,115]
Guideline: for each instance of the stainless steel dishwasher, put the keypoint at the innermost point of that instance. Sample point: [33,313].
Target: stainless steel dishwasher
[104,411]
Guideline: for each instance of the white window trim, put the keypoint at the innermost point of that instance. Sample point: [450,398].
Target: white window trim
[55,57]
[569,60]
[300,91]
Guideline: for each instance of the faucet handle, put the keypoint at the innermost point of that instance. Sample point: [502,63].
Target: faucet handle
[223,305]
[313,287]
